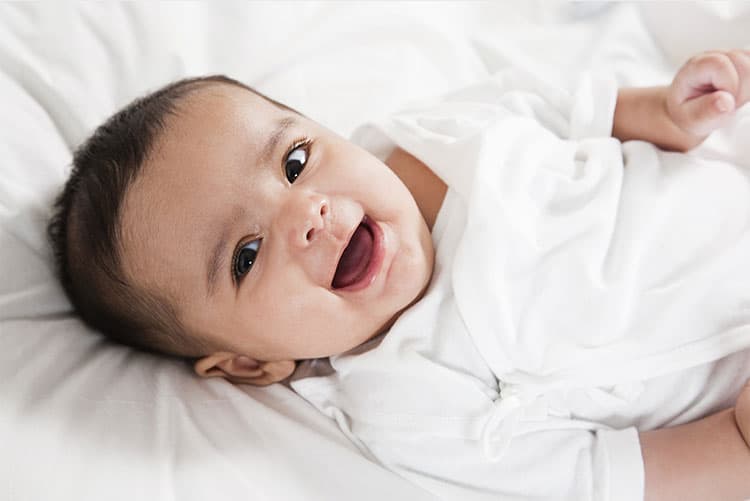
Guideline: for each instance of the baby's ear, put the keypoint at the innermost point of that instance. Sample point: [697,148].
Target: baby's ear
[241,369]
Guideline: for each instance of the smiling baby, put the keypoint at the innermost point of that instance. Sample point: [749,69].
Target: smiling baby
[507,280]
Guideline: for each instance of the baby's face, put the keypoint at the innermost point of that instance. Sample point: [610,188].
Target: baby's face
[244,212]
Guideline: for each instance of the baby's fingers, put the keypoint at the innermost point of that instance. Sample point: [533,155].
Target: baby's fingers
[708,112]
[712,71]
[741,61]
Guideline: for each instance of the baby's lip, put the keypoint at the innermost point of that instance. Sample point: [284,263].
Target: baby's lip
[332,272]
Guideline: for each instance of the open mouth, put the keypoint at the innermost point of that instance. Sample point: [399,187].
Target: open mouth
[355,269]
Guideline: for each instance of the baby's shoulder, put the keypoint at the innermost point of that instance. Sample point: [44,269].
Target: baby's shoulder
[425,186]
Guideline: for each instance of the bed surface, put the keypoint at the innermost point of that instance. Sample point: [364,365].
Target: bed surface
[83,419]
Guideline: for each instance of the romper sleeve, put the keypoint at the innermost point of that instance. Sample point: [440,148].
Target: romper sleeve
[441,131]
[585,110]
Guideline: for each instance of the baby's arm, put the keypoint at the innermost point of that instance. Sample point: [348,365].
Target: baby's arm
[705,459]
[742,413]
[703,95]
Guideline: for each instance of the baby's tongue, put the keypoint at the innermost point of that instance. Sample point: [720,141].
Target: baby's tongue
[355,258]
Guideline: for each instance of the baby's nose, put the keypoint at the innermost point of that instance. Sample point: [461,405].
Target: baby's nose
[307,219]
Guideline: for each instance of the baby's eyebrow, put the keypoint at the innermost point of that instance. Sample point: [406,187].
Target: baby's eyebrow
[279,131]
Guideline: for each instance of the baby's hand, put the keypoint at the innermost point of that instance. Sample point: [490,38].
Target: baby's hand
[707,90]
[742,413]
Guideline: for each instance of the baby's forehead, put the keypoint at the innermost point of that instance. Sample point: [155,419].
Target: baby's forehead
[225,102]
[214,119]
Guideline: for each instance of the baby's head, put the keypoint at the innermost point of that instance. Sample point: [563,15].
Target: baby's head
[210,222]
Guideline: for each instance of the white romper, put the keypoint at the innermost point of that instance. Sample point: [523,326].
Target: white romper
[583,289]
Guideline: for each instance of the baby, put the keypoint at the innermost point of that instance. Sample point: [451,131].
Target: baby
[207,221]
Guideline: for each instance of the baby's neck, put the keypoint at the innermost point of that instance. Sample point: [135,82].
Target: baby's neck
[425,186]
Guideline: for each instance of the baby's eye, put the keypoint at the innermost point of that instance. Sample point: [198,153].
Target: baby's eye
[245,258]
[295,162]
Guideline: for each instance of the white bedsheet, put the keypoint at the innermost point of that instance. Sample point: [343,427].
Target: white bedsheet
[82,419]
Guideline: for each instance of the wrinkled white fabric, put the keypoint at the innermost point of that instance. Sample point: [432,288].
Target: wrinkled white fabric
[583,289]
